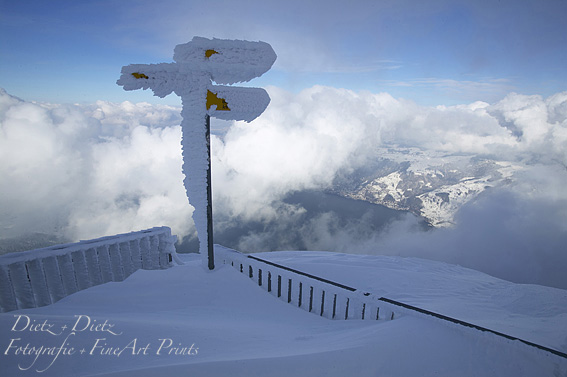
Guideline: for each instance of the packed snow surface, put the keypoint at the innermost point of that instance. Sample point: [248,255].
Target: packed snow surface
[186,321]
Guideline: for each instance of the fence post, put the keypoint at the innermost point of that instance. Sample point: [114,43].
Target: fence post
[116,262]
[126,258]
[295,291]
[53,278]
[329,304]
[135,254]
[38,282]
[145,253]
[305,296]
[81,270]
[7,296]
[67,273]
[317,303]
[22,287]
[155,257]
[93,266]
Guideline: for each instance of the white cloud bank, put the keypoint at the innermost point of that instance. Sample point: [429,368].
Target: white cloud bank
[304,141]
[105,168]
[87,171]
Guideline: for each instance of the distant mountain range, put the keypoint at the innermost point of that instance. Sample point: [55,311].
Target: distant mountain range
[430,184]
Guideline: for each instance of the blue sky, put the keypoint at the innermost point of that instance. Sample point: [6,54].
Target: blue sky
[431,52]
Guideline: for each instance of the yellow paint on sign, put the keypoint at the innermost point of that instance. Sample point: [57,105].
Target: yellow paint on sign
[208,53]
[140,75]
[212,99]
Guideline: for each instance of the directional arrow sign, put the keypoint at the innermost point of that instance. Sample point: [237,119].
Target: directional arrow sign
[227,61]
[236,103]
[197,64]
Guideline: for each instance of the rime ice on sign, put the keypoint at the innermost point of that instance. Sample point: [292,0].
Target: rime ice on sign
[197,64]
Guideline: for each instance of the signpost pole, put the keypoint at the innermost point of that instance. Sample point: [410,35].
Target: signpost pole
[210,248]
[197,64]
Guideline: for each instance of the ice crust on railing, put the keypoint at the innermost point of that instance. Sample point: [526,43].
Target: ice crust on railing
[43,276]
[57,250]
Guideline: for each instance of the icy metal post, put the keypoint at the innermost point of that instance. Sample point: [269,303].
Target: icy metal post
[197,64]
[210,249]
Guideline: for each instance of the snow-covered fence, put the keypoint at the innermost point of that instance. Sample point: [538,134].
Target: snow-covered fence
[428,314]
[337,301]
[41,277]
[309,292]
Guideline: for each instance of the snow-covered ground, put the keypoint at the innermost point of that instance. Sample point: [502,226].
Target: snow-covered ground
[186,321]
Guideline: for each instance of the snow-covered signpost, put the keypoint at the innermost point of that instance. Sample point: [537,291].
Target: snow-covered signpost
[197,64]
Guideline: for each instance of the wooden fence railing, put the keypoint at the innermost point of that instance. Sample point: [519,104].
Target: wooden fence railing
[338,301]
[41,277]
[309,292]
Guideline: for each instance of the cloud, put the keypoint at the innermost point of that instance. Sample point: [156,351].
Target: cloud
[84,171]
[305,141]
[88,171]
[539,124]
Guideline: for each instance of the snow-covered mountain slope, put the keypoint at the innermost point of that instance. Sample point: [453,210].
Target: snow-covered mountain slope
[220,324]
[430,184]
